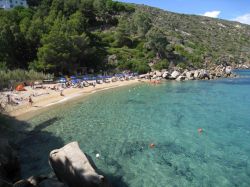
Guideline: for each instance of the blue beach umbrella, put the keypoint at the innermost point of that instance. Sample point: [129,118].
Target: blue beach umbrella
[73,77]
[99,77]
[74,81]
[85,78]
[62,80]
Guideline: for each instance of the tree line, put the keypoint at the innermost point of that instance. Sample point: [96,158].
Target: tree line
[61,36]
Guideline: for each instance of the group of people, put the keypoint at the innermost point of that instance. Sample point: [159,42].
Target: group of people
[10,100]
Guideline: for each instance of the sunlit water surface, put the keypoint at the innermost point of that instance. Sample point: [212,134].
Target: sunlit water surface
[120,124]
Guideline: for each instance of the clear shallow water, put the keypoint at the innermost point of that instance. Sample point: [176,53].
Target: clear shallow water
[120,124]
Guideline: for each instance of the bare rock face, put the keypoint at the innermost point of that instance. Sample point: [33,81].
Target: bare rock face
[72,167]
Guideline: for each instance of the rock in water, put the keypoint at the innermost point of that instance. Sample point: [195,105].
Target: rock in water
[72,167]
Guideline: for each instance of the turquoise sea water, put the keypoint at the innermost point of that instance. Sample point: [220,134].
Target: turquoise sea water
[120,124]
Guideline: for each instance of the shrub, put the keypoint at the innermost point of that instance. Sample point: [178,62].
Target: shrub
[11,78]
[163,64]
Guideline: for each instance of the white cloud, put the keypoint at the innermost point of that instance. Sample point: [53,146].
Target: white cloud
[243,19]
[212,14]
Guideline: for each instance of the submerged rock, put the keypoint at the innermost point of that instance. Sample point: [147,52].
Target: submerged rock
[72,167]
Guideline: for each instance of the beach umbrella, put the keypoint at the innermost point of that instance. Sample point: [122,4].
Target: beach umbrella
[73,77]
[74,81]
[20,87]
[85,78]
[62,80]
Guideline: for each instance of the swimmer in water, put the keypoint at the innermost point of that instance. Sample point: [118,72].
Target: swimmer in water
[152,145]
[200,130]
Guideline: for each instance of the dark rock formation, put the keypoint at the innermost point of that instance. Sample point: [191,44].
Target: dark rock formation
[9,165]
[51,183]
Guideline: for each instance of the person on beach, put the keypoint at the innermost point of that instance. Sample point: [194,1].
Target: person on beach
[61,92]
[30,101]
[8,99]
[32,85]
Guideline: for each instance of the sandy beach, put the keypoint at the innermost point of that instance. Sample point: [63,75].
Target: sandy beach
[45,98]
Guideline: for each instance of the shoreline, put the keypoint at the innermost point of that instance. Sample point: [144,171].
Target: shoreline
[43,103]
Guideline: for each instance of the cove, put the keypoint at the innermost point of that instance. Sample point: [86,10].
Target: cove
[120,124]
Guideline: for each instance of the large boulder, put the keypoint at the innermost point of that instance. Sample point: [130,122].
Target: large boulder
[73,168]
[152,73]
[144,76]
[166,75]
[180,78]
[203,74]
[154,77]
[175,74]
[190,75]
[196,74]
[9,164]
[158,73]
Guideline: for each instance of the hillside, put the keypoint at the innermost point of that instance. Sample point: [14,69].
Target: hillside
[221,40]
[67,36]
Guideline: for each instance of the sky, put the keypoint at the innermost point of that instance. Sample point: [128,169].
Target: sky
[234,10]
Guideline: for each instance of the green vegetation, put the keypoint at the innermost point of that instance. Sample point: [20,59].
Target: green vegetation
[12,78]
[65,36]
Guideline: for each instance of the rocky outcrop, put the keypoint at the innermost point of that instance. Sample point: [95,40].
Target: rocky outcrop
[198,74]
[242,66]
[72,167]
